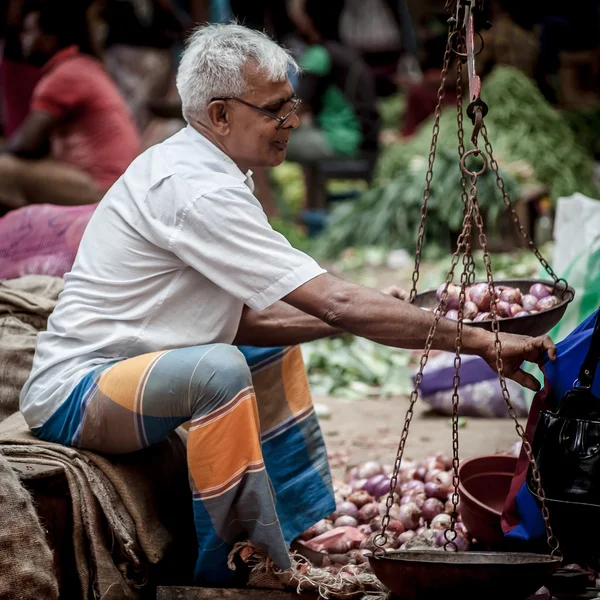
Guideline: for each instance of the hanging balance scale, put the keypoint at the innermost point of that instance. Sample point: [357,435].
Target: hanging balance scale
[427,574]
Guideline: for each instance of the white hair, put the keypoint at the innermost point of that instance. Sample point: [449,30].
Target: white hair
[214,59]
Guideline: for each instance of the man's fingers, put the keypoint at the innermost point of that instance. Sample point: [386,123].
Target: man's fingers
[537,348]
[526,380]
[396,292]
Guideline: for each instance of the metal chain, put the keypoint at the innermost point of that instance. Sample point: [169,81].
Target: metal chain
[451,534]
[381,539]
[515,217]
[431,159]
[461,148]
[551,539]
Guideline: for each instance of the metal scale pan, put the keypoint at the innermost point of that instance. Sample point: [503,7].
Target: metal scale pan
[435,574]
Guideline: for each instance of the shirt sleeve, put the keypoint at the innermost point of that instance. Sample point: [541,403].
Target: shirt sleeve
[225,235]
[58,92]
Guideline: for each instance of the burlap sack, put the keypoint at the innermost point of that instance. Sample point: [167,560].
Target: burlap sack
[26,563]
[25,304]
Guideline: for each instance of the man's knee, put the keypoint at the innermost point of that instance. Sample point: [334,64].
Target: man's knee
[225,371]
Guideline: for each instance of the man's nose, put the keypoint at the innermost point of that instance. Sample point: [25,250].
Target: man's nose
[292,122]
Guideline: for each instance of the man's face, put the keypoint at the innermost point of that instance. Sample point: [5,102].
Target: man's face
[254,138]
[36,45]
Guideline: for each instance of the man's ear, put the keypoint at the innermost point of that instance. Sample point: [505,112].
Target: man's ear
[219,116]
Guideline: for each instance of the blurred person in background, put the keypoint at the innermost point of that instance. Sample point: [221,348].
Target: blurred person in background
[75,108]
[339,116]
[382,31]
[138,49]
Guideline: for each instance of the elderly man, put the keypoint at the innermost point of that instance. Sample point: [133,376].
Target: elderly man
[177,266]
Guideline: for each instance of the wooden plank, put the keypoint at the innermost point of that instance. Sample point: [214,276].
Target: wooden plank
[198,593]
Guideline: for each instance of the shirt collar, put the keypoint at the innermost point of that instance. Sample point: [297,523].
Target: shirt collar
[60,57]
[229,164]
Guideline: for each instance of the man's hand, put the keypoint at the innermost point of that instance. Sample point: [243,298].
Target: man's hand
[517,349]
[396,292]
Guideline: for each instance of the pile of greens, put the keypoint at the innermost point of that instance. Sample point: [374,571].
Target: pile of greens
[352,367]
[524,129]
[388,215]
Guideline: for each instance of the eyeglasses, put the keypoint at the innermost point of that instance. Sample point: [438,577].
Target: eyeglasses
[281,120]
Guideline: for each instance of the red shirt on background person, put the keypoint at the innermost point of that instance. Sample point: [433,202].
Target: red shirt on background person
[76,110]
[94,131]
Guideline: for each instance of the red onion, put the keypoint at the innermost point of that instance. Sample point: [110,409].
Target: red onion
[367,512]
[444,480]
[318,528]
[406,499]
[360,498]
[449,507]
[484,316]
[452,297]
[420,473]
[365,529]
[410,515]
[369,469]
[435,490]
[357,484]
[406,536]
[470,310]
[345,521]
[539,290]
[382,488]
[515,309]
[529,301]
[412,487]
[523,313]
[547,303]
[372,483]
[396,527]
[441,521]
[432,507]
[503,308]
[419,499]
[480,295]
[343,509]
[511,295]
[421,530]
[452,315]
[431,475]
[353,474]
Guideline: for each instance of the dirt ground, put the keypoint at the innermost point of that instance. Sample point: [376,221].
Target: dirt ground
[370,429]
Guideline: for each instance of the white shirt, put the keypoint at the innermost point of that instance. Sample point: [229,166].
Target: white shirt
[169,258]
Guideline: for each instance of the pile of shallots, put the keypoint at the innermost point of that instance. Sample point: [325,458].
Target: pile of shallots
[420,513]
[510,302]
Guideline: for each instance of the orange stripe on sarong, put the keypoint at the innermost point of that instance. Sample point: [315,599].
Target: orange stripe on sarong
[295,381]
[121,382]
[225,446]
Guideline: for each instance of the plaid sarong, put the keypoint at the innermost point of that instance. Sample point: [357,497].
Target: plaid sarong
[256,455]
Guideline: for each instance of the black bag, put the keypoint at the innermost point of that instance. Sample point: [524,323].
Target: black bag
[566,447]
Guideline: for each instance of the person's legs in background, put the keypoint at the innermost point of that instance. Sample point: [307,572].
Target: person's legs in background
[45,181]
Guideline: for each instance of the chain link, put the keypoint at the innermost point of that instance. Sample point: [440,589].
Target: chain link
[551,539]
[431,160]
[451,534]
[558,282]
[461,148]
[381,539]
